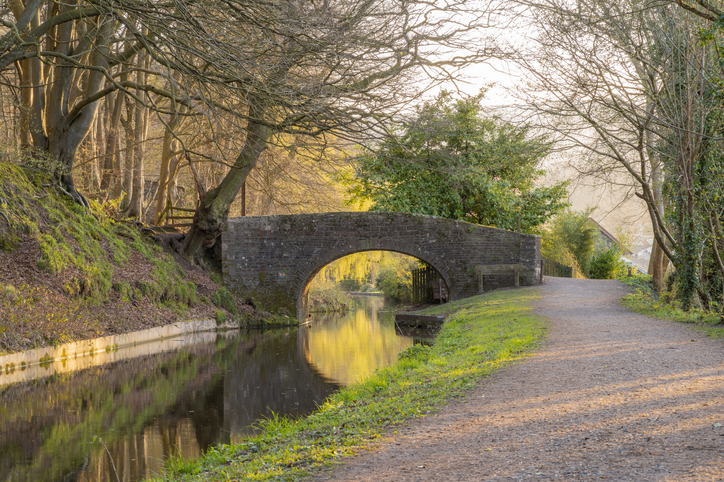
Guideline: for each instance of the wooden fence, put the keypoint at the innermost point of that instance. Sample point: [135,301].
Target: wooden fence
[427,286]
[554,268]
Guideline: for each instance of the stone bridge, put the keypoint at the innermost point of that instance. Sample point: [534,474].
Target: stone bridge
[273,259]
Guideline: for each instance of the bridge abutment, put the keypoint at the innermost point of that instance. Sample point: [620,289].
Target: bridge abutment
[272,259]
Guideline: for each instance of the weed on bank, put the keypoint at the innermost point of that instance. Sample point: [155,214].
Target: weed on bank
[481,335]
[645,300]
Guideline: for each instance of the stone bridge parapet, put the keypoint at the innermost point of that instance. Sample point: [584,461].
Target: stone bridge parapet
[273,259]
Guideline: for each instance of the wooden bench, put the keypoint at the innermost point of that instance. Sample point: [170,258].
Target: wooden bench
[483,270]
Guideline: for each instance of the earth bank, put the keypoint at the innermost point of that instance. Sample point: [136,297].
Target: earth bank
[67,273]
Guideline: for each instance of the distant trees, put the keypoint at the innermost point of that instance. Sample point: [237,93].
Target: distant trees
[384,271]
[448,160]
[569,235]
[213,84]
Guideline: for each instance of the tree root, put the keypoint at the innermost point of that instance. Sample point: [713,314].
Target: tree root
[76,196]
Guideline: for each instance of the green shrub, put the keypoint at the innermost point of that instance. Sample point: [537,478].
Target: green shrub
[606,265]
[395,284]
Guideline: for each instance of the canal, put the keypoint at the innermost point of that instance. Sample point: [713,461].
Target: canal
[120,421]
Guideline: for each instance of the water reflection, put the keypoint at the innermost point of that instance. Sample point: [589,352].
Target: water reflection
[348,348]
[147,408]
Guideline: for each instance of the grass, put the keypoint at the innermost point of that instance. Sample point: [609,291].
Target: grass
[483,334]
[645,300]
[71,237]
[87,255]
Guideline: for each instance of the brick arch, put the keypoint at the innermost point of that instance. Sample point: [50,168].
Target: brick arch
[272,259]
[314,265]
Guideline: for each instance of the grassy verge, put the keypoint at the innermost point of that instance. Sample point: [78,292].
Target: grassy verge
[483,334]
[645,300]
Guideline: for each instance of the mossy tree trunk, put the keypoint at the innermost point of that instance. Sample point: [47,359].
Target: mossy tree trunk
[214,206]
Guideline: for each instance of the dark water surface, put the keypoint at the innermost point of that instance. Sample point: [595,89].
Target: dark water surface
[135,413]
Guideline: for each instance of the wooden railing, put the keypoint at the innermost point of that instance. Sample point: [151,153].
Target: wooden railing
[554,268]
[170,215]
[427,286]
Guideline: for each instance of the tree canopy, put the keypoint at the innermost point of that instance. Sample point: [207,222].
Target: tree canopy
[448,160]
[243,73]
[634,88]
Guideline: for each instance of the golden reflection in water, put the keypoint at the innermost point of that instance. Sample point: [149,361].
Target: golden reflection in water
[144,455]
[348,348]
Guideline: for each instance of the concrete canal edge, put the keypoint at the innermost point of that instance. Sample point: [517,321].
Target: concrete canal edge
[42,362]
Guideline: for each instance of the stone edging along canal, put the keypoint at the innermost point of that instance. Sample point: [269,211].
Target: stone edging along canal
[46,361]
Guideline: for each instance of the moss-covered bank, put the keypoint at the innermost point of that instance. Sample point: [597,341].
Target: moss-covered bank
[482,334]
[68,273]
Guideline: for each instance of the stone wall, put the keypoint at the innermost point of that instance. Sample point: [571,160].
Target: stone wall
[272,259]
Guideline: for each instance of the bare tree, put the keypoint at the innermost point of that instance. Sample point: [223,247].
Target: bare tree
[282,67]
[711,11]
[604,74]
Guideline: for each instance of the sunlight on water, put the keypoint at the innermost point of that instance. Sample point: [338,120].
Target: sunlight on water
[134,413]
[349,347]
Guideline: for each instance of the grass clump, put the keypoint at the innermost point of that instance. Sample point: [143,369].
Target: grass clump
[224,299]
[483,334]
[645,300]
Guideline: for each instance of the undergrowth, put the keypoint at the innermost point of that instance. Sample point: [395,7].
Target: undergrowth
[86,243]
[483,334]
[92,262]
[329,299]
[645,300]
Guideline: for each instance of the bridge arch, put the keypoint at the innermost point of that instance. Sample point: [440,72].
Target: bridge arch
[272,259]
[314,265]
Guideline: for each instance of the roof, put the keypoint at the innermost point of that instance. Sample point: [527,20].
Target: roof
[610,238]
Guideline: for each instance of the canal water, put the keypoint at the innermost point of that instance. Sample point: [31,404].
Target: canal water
[119,422]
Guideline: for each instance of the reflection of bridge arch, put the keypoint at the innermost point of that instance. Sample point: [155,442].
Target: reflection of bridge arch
[346,348]
[272,259]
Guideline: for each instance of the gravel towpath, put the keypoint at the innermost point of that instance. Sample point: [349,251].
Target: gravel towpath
[612,395]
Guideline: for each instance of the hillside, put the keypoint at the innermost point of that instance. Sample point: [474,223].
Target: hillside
[68,273]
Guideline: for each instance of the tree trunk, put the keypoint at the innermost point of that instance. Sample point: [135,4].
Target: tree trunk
[26,101]
[127,183]
[656,266]
[68,127]
[134,209]
[213,210]
[110,165]
[166,174]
